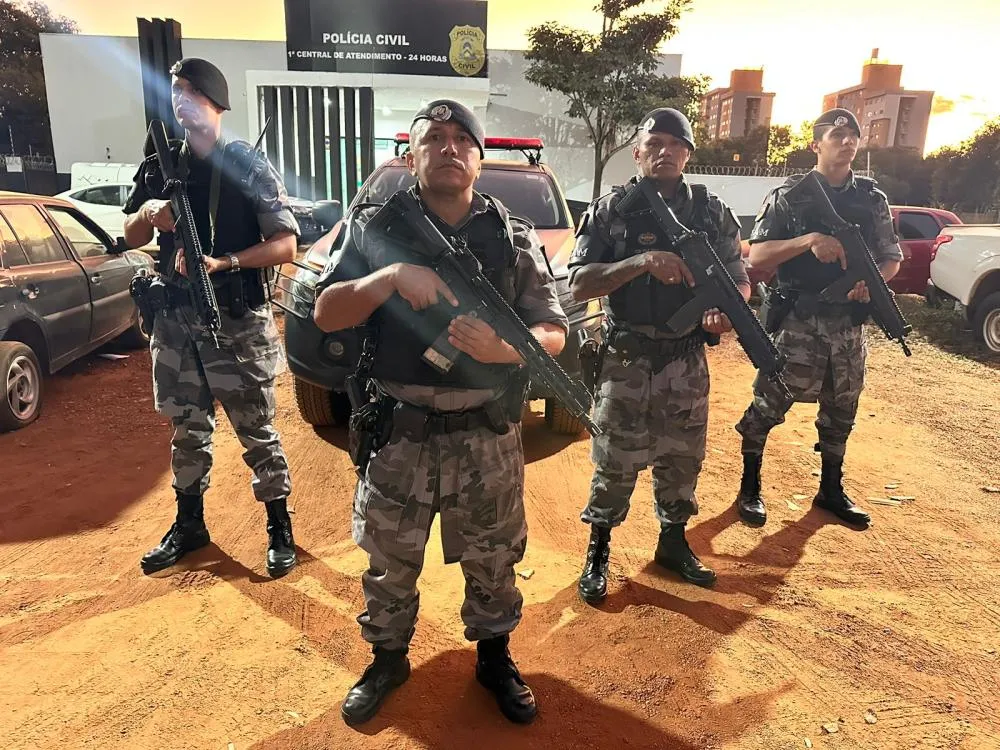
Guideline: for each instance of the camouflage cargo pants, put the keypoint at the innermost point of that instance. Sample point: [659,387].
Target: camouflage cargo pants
[649,419]
[190,373]
[826,363]
[475,480]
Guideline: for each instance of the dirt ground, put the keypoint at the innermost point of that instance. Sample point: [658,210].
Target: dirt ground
[811,623]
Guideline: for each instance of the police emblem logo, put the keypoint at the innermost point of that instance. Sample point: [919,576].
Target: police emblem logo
[467,54]
[441,113]
[840,122]
[647,238]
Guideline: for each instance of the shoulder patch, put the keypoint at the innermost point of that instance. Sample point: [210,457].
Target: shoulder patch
[791,181]
[866,182]
[244,155]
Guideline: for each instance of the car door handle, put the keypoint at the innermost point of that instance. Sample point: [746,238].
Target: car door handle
[95,279]
[30,292]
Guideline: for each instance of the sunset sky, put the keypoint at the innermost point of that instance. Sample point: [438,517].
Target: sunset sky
[948,48]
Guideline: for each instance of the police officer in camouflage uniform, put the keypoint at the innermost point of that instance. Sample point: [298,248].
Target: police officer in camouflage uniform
[651,396]
[454,443]
[245,226]
[823,341]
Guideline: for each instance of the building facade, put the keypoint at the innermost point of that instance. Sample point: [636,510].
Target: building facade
[734,111]
[890,116]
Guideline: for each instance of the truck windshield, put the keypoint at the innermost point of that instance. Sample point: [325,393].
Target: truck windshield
[528,195]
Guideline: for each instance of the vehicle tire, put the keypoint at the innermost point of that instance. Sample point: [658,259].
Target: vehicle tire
[559,420]
[21,402]
[986,322]
[321,407]
[133,338]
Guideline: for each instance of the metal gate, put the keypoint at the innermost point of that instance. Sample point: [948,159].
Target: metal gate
[320,138]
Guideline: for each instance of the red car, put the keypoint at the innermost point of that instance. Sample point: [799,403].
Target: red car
[917,228]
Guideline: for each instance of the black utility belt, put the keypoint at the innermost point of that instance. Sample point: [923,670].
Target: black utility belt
[628,346]
[234,303]
[809,303]
[417,423]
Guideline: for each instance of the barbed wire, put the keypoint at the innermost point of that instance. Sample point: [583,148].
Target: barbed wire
[765,170]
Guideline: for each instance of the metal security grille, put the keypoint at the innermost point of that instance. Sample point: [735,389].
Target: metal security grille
[320,138]
[159,49]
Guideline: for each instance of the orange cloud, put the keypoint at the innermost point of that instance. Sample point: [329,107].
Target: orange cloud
[941,105]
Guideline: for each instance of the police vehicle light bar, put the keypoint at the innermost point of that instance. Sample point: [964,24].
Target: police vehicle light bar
[509,144]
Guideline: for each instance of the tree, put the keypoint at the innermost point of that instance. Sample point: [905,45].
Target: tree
[23,110]
[743,151]
[612,79]
[967,177]
[902,173]
[791,148]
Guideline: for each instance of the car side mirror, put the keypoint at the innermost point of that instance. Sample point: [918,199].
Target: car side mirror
[120,246]
[327,213]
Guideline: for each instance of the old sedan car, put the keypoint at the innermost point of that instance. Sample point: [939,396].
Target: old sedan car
[63,293]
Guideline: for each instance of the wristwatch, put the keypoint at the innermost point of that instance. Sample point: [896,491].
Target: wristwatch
[234,264]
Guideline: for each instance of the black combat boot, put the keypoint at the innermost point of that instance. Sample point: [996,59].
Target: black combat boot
[831,495]
[593,586]
[749,502]
[188,533]
[496,672]
[281,555]
[388,671]
[673,553]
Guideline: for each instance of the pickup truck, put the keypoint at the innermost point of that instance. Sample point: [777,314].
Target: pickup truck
[319,362]
[64,291]
[965,267]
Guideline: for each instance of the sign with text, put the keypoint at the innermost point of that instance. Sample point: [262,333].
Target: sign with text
[414,37]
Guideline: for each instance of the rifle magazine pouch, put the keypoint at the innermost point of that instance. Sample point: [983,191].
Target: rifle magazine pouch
[237,303]
[774,308]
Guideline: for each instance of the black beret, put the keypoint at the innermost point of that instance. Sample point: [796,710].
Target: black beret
[669,121]
[205,77]
[838,118]
[448,110]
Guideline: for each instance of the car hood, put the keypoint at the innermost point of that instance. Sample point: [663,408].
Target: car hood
[558,245]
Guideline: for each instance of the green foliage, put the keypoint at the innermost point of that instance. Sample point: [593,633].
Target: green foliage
[23,110]
[611,78]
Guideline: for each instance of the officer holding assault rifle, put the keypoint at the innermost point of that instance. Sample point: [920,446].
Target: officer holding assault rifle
[458,311]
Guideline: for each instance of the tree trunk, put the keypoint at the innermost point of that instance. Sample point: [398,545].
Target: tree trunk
[598,172]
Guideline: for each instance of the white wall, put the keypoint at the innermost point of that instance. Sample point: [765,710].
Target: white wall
[94,88]
[94,91]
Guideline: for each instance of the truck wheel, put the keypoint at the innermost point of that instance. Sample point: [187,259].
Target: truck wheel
[559,420]
[321,407]
[21,402]
[986,322]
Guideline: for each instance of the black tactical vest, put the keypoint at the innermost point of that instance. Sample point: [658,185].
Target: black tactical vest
[645,300]
[805,272]
[404,334]
[236,226]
